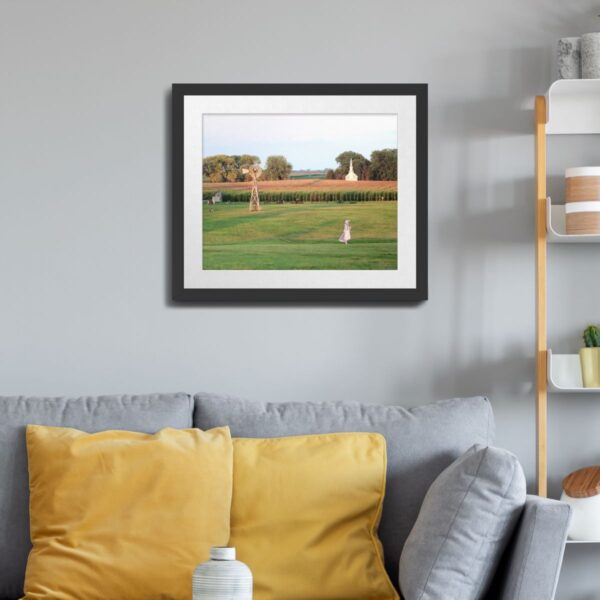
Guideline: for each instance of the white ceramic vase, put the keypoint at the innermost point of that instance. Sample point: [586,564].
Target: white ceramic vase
[585,521]
[222,577]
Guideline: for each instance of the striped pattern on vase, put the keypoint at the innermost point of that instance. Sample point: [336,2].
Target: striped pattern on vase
[222,577]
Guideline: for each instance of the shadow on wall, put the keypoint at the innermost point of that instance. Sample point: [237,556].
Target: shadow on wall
[478,238]
[510,377]
[481,222]
[168,232]
[510,88]
[492,223]
[555,188]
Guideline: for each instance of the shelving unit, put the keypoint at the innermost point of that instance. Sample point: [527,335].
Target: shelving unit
[569,107]
[564,375]
[557,230]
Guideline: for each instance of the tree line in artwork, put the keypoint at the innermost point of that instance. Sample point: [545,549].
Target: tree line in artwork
[224,168]
[228,169]
[382,166]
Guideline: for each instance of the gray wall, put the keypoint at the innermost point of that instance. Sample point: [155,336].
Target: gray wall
[84,194]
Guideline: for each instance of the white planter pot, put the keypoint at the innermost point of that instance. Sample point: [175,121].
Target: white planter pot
[222,577]
[585,522]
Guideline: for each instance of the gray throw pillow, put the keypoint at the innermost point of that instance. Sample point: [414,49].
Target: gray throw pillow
[466,520]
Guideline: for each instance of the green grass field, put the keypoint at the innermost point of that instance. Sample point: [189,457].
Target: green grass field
[300,236]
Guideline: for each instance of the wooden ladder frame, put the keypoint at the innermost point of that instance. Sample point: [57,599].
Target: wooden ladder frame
[541,335]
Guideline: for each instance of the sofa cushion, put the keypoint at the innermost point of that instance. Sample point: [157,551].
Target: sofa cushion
[421,443]
[465,523]
[305,513]
[148,414]
[124,515]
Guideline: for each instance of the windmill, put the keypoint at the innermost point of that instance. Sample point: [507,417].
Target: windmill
[255,172]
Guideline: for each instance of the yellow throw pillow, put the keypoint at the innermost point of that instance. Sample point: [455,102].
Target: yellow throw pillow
[124,516]
[305,513]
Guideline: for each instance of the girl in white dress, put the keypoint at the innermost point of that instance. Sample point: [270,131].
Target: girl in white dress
[345,237]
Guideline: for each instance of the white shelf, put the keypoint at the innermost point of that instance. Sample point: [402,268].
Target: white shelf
[564,374]
[573,106]
[583,542]
[557,229]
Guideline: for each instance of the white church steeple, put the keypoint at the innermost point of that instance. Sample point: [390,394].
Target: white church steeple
[352,176]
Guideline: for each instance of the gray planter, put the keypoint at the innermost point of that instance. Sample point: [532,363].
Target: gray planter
[590,55]
[569,58]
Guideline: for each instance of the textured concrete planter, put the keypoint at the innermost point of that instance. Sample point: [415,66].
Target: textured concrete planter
[569,58]
[590,55]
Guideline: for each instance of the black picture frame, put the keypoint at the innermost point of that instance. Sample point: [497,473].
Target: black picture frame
[337,296]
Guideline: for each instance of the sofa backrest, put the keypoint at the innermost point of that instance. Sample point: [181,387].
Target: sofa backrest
[421,443]
[134,413]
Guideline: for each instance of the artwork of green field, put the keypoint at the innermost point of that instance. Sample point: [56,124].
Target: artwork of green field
[300,236]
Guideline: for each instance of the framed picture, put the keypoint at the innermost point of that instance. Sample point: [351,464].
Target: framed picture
[299,193]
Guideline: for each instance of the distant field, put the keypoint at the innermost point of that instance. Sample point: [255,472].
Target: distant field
[288,185]
[309,175]
[300,236]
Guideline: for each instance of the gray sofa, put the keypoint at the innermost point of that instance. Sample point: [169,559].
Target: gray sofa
[421,443]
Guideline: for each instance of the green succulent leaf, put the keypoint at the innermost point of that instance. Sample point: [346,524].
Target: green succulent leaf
[591,336]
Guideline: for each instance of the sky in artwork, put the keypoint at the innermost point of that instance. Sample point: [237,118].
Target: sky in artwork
[307,141]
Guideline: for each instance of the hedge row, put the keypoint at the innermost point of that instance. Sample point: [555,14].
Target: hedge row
[302,197]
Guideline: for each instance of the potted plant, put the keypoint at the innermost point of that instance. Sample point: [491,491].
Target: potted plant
[590,357]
